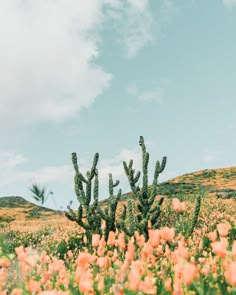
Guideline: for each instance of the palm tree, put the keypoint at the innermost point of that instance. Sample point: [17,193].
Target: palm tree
[39,194]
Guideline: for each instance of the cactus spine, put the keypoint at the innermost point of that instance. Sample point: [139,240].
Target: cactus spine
[146,208]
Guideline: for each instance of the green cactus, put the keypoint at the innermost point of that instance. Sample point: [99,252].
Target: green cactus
[109,214]
[86,210]
[89,216]
[146,208]
[127,220]
[196,213]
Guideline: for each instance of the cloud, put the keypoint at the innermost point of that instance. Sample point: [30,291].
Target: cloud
[135,24]
[211,156]
[153,95]
[47,60]
[12,172]
[229,3]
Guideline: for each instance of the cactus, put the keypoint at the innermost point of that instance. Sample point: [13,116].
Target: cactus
[195,214]
[147,208]
[127,221]
[84,196]
[109,214]
[89,216]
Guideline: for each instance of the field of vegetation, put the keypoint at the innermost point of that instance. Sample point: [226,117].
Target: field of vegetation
[178,237]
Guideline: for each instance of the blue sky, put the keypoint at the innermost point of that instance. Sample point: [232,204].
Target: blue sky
[92,76]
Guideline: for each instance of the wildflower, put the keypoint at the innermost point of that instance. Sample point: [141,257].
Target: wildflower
[167,233]
[219,248]
[134,276]
[95,240]
[86,283]
[111,239]
[148,285]
[83,259]
[223,229]
[168,285]
[4,262]
[230,273]
[154,237]
[121,241]
[177,205]
[189,272]
[212,236]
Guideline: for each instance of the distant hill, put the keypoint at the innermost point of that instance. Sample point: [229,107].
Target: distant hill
[215,181]
[12,208]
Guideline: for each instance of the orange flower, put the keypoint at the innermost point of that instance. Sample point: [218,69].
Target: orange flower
[121,241]
[103,262]
[95,240]
[167,233]
[4,262]
[189,272]
[168,285]
[83,259]
[223,229]
[230,273]
[86,283]
[148,285]
[129,255]
[111,239]
[212,236]
[33,286]
[154,237]
[219,248]
[177,205]
[134,276]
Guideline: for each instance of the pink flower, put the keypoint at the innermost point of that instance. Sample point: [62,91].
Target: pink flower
[189,272]
[223,229]
[177,205]
[230,273]
[167,233]
[95,240]
[219,248]
[154,237]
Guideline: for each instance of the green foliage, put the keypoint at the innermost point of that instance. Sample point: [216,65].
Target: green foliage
[39,194]
[146,207]
[230,195]
[209,174]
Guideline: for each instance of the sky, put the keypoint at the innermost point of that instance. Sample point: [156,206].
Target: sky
[93,76]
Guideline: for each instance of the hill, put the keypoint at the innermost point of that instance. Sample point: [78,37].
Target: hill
[17,208]
[217,182]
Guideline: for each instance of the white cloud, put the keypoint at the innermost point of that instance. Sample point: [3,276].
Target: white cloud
[12,173]
[229,3]
[153,95]
[211,156]
[135,23]
[47,66]
[48,50]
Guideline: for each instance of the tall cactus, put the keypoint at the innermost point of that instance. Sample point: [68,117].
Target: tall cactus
[89,216]
[109,213]
[147,208]
[84,196]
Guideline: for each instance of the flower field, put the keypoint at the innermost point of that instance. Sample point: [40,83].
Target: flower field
[47,258]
